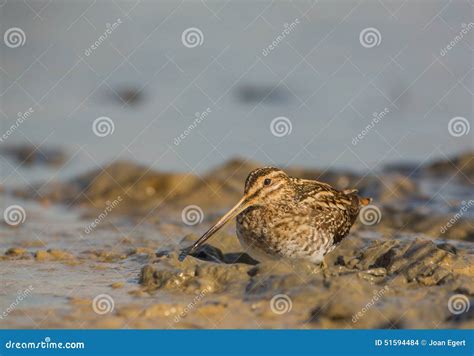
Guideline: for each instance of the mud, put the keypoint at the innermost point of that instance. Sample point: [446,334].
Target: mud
[397,272]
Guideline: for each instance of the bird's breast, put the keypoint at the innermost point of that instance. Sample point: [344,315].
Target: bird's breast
[293,233]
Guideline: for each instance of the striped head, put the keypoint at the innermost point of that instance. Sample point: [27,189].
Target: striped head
[264,185]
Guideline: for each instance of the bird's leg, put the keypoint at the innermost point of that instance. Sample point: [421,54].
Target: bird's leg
[325,270]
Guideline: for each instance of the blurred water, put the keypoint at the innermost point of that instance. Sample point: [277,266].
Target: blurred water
[319,76]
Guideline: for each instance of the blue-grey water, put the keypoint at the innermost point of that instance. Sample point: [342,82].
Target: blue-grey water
[253,62]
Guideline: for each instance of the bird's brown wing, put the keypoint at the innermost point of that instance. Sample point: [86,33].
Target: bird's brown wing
[333,210]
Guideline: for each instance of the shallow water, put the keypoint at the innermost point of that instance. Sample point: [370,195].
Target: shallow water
[329,97]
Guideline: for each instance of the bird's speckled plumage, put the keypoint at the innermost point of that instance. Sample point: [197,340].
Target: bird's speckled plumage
[282,216]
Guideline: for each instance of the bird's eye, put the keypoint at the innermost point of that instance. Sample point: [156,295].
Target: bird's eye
[267,181]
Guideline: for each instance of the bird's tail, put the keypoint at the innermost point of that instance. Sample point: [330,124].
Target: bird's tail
[362,201]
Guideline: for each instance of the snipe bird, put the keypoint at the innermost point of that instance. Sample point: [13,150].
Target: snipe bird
[281,216]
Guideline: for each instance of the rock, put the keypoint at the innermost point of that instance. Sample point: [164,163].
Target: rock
[191,275]
[29,154]
[397,188]
[258,93]
[417,260]
[434,225]
[42,256]
[16,252]
[53,255]
[462,166]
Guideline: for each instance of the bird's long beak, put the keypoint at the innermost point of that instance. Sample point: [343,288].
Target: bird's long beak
[243,204]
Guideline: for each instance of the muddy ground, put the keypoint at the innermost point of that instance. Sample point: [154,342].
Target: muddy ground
[100,251]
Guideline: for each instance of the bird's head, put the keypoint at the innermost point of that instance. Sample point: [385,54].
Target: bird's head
[266,186]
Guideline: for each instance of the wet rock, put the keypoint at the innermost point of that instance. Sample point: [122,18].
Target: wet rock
[29,155]
[121,186]
[462,166]
[434,225]
[16,252]
[417,260]
[53,255]
[105,255]
[213,254]
[126,95]
[256,93]
[192,275]
[397,188]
